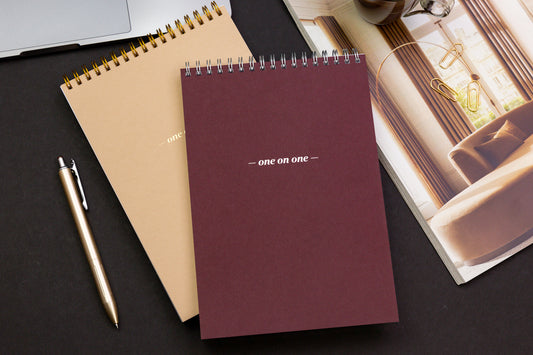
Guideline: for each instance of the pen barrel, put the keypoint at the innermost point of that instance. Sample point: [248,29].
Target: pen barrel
[89,245]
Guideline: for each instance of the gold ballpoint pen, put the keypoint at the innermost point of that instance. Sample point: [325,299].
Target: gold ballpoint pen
[76,200]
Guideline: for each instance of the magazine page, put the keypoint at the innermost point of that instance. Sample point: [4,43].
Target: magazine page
[452,89]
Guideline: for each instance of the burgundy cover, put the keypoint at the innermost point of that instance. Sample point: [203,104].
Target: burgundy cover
[292,245]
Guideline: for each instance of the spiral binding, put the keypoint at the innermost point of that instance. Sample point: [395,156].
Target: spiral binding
[283,62]
[134,51]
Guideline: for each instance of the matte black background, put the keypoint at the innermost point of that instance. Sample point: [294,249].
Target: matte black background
[48,301]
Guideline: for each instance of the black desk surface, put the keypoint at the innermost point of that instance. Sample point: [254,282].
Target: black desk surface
[48,299]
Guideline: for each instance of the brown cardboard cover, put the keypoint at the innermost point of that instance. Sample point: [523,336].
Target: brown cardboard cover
[132,116]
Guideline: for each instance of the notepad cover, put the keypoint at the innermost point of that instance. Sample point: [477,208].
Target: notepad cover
[132,117]
[287,207]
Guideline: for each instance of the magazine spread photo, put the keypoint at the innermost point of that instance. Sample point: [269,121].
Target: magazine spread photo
[452,88]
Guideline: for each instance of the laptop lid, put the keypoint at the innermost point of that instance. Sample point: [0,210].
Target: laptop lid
[33,26]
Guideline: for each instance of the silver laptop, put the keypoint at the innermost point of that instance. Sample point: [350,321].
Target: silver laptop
[33,26]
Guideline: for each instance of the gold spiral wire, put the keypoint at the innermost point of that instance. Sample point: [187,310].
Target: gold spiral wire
[170,31]
[179,26]
[188,21]
[133,50]
[152,40]
[143,46]
[124,54]
[77,77]
[207,13]
[216,8]
[105,64]
[161,36]
[86,72]
[67,82]
[198,17]
[115,59]
[95,67]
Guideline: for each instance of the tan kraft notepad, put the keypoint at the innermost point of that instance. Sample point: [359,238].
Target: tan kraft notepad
[131,112]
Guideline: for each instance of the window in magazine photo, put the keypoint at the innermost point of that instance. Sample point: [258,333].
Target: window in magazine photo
[461,153]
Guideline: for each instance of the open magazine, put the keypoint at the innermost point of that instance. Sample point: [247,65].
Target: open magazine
[452,100]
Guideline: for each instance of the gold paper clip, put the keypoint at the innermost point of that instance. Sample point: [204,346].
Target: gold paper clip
[451,55]
[472,93]
[443,89]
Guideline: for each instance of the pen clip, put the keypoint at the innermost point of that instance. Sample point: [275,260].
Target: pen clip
[74,170]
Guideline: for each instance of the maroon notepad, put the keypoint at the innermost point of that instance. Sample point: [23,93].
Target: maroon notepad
[287,208]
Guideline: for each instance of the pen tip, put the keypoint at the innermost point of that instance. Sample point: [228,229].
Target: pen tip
[116,325]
